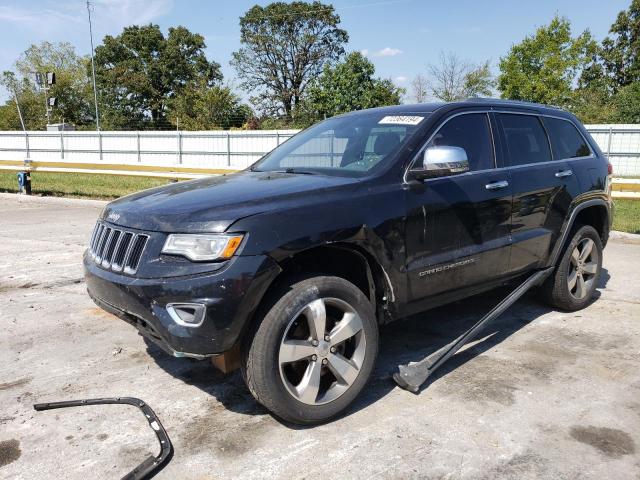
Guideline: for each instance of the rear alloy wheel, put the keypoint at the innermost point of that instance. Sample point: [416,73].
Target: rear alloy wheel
[576,277]
[313,351]
[583,267]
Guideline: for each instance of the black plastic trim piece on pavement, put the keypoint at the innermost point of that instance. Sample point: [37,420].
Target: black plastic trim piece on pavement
[152,465]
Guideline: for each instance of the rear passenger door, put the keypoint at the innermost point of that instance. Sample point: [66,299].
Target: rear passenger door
[543,189]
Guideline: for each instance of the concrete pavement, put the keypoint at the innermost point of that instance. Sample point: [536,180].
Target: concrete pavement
[545,394]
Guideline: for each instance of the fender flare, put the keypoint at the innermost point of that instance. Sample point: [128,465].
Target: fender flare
[568,225]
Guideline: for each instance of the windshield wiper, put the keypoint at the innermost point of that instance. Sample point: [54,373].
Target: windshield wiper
[296,171]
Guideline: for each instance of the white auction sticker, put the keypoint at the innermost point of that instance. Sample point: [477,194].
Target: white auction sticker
[401,120]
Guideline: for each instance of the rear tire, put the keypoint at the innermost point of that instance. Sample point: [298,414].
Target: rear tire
[577,275]
[313,351]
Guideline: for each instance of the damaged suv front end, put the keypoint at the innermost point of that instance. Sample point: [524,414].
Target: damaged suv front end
[191,294]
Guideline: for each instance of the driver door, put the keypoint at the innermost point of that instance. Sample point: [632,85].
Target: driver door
[458,226]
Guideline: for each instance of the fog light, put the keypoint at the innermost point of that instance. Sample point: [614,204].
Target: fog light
[187,314]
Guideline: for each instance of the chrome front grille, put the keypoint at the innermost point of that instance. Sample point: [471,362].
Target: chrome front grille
[117,249]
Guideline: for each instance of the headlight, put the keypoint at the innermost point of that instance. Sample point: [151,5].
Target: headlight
[199,247]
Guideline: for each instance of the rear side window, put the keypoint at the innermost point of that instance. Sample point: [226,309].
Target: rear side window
[471,132]
[525,138]
[566,141]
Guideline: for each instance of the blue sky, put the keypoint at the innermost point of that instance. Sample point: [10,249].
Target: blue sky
[400,36]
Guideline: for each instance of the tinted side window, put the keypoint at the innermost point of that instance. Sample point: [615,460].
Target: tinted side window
[526,139]
[471,132]
[566,141]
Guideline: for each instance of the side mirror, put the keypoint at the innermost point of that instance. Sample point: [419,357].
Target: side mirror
[441,161]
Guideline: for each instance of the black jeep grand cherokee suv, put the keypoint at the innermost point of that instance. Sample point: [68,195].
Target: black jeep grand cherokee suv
[359,220]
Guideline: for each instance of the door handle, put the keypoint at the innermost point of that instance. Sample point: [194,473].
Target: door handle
[496,185]
[564,173]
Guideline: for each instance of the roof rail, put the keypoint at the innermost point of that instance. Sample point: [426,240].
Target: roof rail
[511,102]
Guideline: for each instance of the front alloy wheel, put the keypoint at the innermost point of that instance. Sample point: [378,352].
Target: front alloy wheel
[313,349]
[322,351]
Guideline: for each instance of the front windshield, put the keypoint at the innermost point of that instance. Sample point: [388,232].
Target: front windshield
[352,145]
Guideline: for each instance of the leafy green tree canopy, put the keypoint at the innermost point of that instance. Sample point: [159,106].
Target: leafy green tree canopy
[545,67]
[72,88]
[203,107]
[351,85]
[284,46]
[621,51]
[626,104]
[140,70]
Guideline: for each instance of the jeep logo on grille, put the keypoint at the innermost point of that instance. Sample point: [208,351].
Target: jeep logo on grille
[113,217]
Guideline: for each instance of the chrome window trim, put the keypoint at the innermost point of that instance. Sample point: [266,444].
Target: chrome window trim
[496,168]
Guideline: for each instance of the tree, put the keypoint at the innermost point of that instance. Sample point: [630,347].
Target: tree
[284,46]
[203,107]
[140,71]
[608,87]
[545,67]
[350,85]
[593,105]
[72,88]
[9,114]
[621,52]
[452,79]
[419,89]
[626,104]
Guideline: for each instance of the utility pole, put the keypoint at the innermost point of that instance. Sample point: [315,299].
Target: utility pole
[93,68]
[15,97]
[46,103]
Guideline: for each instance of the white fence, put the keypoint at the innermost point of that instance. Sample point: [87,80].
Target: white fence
[211,149]
[227,149]
[621,143]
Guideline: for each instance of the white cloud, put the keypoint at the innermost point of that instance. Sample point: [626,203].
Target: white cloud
[401,79]
[364,52]
[388,52]
[136,12]
[37,19]
[108,15]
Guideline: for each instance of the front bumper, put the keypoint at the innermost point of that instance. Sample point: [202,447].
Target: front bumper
[230,294]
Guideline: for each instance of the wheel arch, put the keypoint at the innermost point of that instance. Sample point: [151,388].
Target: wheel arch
[344,260]
[594,212]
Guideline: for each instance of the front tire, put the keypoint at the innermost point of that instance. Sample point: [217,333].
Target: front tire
[575,279]
[313,351]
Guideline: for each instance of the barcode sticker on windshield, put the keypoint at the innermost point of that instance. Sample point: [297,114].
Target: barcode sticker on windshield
[401,120]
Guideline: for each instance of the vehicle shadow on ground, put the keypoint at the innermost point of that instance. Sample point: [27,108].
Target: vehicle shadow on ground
[407,340]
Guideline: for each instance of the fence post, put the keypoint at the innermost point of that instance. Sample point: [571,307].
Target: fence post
[179,138]
[100,144]
[277,138]
[609,143]
[228,149]
[26,142]
[61,145]
[138,146]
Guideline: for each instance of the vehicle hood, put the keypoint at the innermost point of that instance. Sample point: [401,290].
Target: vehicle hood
[212,204]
